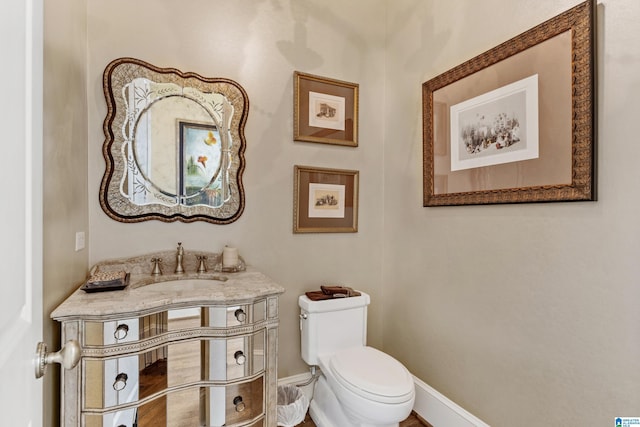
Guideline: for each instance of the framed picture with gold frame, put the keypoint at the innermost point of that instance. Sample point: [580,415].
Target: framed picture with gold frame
[325,200]
[325,110]
[517,123]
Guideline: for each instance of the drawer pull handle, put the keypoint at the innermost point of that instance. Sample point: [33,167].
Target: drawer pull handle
[121,332]
[240,315]
[240,357]
[120,382]
[240,406]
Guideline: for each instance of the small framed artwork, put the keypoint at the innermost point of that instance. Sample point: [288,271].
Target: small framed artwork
[517,123]
[325,110]
[325,200]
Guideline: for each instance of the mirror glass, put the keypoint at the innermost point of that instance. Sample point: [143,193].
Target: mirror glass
[174,145]
[171,378]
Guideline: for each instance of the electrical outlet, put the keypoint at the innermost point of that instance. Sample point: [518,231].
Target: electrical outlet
[79,241]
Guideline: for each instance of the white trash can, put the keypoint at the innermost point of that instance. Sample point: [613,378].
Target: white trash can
[292,405]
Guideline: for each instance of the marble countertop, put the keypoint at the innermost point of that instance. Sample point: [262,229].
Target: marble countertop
[147,293]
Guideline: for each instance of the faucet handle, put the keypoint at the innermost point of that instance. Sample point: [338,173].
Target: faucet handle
[202,266]
[156,266]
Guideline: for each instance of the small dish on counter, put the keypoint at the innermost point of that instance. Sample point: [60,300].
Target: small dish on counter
[106,285]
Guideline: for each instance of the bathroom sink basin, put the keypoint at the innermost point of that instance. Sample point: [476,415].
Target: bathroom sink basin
[184,285]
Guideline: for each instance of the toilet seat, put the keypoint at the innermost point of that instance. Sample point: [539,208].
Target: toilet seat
[372,374]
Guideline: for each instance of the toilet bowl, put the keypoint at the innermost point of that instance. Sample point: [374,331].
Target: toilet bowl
[359,385]
[372,388]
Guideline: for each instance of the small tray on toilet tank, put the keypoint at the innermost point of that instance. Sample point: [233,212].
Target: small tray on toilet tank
[332,304]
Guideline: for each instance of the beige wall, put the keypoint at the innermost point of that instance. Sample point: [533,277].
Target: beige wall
[522,314]
[258,44]
[525,315]
[65,170]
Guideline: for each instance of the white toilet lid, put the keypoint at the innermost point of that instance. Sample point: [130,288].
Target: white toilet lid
[372,374]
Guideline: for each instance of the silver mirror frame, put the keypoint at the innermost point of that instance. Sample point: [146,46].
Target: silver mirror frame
[112,200]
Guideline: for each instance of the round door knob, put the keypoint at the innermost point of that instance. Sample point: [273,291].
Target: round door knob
[240,315]
[240,357]
[240,406]
[121,332]
[121,381]
[68,356]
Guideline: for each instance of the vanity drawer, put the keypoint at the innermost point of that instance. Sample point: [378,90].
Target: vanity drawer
[234,315]
[110,382]
[233,358]
[132,330]
[123,418]
[116,381]
[126,331]
[194,406]
[174,409]
[244,401]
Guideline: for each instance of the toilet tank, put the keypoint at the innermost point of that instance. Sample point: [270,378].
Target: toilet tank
[332,324]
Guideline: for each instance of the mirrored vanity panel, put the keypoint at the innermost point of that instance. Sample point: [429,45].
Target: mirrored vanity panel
[145,327]
[127,379]
[174,145]
[181,355]
[240,404]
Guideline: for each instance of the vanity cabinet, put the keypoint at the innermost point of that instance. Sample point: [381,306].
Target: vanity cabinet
[197,351]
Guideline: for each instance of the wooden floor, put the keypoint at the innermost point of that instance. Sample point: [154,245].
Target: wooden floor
[412,421]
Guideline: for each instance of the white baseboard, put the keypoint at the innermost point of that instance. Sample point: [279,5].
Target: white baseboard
[432,406]
[439,411]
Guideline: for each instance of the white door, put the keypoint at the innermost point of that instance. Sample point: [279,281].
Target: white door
[21,32]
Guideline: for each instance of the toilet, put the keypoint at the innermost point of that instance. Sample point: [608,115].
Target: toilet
[359,386]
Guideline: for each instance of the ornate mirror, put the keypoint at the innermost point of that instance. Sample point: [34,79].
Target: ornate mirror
[174,145]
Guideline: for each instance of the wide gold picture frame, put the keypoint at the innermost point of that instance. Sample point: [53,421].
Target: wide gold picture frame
[325,110]
[560,53]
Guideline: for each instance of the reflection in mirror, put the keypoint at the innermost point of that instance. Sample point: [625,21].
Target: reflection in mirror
[174,145]
[176,174]
[178,408]
[180,148]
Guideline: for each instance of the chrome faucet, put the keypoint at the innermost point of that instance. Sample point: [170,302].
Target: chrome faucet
[179,256]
